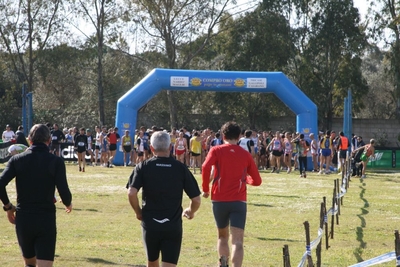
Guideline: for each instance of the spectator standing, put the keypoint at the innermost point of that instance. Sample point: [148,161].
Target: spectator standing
[81,144]
[342,147]
[357,168]
[104,147]
[57,137]
[113,138]
[326,152]
[20,137]
[140,147]
[277,151]
[8,134]
[314,152]
[180,147]
[90,147]
[69,137]
[247,142]
[38,173]
[302,149]
[195,150]
[127,147]
[162,180]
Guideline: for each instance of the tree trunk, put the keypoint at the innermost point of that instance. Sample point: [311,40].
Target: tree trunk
[100,37]
[173,117]
[30,47]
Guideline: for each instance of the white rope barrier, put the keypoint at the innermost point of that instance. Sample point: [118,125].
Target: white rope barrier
[378,260]
[312,246]
[333,211]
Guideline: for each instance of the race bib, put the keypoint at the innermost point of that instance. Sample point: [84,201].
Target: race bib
[127,143]
[54,137]
[81,144]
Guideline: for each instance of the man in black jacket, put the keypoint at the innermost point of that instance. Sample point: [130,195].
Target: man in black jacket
[38,173]
[20,137]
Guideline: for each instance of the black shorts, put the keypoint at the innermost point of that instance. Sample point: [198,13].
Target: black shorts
[113,147]
[54,147]
[127,149]
[97,147]
[230,213]
[277,153]
[140,154]
[36,234]
[195,154]
[342,154]
[166,242]
[81,149]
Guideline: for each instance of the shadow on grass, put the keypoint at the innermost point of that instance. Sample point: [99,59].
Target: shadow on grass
[278,239]
[105,262]
[284,196]
[75,209]
[391,180]
[360,230]
[260,205]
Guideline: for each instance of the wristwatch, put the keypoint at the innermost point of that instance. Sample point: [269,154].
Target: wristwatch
[8,208]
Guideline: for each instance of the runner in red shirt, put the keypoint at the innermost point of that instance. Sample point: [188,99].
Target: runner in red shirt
[234,167]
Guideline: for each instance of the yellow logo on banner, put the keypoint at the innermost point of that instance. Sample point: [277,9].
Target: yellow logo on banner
[195,81]
[306,130]
[126,125]
[239,82]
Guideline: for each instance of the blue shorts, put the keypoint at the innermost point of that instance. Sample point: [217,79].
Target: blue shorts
[326,152]
[230,213]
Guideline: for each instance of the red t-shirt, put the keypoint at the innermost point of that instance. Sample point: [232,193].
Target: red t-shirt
[234,168]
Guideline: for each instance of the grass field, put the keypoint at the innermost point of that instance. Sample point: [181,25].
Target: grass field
[102,229]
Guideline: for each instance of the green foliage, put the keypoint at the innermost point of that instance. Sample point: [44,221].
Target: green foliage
[332,53]
[381,138]
[11,114]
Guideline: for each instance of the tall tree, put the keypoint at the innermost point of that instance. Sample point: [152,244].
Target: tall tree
[27,27]
[335,43]
[256,41]
[384,26]
[103,16]
[173,23]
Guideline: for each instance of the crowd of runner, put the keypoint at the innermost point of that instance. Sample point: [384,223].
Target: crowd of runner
[277,151]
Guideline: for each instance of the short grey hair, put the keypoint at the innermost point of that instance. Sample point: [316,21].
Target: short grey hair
[160,141]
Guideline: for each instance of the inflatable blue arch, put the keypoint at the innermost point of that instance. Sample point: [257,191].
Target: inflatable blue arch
[218,81]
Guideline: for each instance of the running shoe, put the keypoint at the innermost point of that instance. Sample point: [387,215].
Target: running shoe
[273,170]
[83,170]
[80,169]
[304,175]
[363,176]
